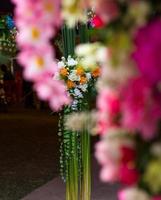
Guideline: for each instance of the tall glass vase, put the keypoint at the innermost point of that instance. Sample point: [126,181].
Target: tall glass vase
[85,138]
[75,157]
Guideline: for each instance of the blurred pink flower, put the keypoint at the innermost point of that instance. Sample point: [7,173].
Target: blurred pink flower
[44,11]
[111,152]
[33,17]
[34,35]
[133,193]
[127,171]
[141,109]
[107,10]
[50,11]
[97,22]
[37,21]
[108,101]
[128,154]
[128,174]
[107,152]
[53,91]
[37,63]
[108,105]
[156,198]
[148,51]
[109,173]
[107,155]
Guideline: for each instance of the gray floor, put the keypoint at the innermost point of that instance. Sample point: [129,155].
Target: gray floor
[29,159]
[55,190]
[29,152]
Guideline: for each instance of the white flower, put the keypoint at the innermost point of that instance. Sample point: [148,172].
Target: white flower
[88,76]
[73,12]
[83,87]
[78,93]
[77,121]
[101,55]
[72,62]
[91,55]
[63,59]
[133,193]
[73,76]
[75,102]
[61,64]
[115,75]
[87,49]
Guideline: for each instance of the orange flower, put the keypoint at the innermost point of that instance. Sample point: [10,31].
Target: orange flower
[70,84]
[63,72]
[83,80]
[96,72]
[80,70]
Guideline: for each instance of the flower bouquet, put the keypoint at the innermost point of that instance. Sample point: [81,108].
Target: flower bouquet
[75,144]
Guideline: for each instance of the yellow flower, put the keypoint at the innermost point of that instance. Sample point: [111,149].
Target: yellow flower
[70,84]
[83,80]
[63,72]
[96,72]
[80,70]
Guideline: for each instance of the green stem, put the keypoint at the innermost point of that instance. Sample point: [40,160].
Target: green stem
[74,167]
[68,187]
[86,167]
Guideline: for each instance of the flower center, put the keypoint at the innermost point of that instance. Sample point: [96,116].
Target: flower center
[35,33]
[40,62]
[49,7]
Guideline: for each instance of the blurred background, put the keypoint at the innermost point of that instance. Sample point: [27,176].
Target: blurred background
[29,155]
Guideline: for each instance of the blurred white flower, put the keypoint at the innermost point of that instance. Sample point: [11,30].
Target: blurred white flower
[91,55]
[78,93]
[114,75]
[83,87]
[133,193]
[73,76]
[88,76]
[73,11]
[82,121]
[76,121]
[75,102]
[61,64]
[74,105]
[71,62]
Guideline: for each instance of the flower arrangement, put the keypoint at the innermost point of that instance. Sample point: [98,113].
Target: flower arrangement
[78,80]
[128,49]
[75,143]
